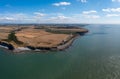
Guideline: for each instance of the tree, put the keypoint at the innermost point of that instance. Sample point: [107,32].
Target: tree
[12,37]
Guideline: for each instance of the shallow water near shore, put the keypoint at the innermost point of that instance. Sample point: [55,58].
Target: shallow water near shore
[95,55]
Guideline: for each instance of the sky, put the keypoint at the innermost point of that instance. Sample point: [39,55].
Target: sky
[60,11]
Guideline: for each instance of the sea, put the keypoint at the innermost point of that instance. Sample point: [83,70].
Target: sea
[96,55]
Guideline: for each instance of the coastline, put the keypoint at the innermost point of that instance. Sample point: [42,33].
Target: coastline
[39,39]
[57,48]
[3,47]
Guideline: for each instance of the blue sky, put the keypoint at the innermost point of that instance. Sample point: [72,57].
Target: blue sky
[60,11]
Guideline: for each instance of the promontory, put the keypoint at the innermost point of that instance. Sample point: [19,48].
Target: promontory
[38,38]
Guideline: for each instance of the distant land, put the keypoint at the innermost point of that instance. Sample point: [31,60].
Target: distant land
[39,37]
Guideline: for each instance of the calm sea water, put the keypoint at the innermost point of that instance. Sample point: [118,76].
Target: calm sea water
[93,56]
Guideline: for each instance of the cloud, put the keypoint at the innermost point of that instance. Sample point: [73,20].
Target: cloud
[15,18]
[38,14]
[112,15]
[62,4]
[106,10]
[83,1]
[89,12]
[95,16]
[60,17]
[111,10]
[115,0]
[38,17]
[7,19]
[19,16]
[91,16]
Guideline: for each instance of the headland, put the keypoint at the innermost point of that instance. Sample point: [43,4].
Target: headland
[38,37]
